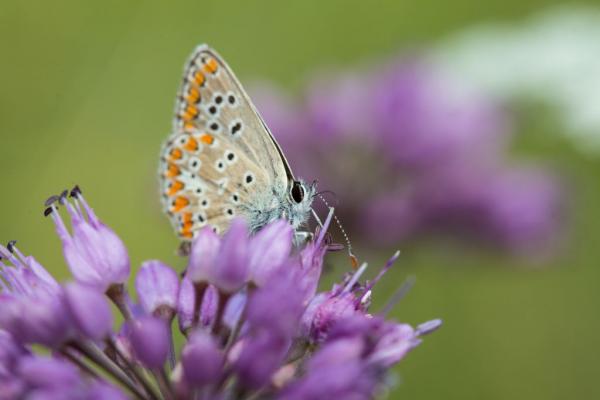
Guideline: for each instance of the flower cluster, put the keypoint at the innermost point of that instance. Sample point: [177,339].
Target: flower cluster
[250,317]
[412,152]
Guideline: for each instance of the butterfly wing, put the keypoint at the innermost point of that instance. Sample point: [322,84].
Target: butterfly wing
[221,153]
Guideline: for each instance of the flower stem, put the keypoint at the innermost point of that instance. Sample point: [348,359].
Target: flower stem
[163,383]
[223,299]
[65,352]
[239,323]
[134,370]
[398,295]
[118,295]
[101,360]
[167,314]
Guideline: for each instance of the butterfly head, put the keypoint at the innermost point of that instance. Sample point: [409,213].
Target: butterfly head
[299,201]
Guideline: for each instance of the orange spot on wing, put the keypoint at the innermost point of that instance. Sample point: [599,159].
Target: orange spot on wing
[199,78]
[190,113]
[176,154]
[186,234]
[189,126]
[193,96]
[192,144]
[176,186]
[179,203]
[187,217]
[206,138]
[211,65]
[172,170]
[187,225]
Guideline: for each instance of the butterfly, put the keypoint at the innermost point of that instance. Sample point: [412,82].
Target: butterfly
[221,160]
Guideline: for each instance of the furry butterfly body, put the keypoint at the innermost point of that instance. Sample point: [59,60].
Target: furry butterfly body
[221,160]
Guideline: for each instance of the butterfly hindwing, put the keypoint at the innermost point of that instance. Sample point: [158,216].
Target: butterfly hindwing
[221,155]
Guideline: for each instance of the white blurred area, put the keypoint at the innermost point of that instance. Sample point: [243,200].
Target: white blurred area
[553,57]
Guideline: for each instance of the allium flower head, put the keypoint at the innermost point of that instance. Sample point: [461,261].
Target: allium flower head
[253,322]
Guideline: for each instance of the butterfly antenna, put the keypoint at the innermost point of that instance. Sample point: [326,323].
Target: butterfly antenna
[353,258]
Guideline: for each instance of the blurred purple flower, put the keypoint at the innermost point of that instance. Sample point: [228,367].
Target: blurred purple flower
[150,341]
[269,249]
[253,322]
[89,311]
[221,263]
[38,377]
[409,152]
[31,302]
[203,256]
[94,253]
[157,287]
[201,349]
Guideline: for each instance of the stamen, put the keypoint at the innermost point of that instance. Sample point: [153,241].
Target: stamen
[48,211]
[92,218]
[5,253]
[20,256]
[399,295]
[11,246]
[325,227]
[355,277]
[385,268]
[63,197]
[427,327]
[75,191]
[51,200]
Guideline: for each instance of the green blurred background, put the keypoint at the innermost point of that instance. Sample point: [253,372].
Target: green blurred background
[87,97]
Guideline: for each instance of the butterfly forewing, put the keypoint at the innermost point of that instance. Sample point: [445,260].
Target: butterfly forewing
[220,154]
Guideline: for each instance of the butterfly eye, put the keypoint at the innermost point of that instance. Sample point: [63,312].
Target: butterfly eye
[297,192]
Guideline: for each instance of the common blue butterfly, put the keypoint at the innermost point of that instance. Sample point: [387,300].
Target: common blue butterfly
[221,160]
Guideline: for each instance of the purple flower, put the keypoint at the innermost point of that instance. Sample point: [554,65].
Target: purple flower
[435,151]
[282,296]
[269,249]
[150,341]
[44,372]
[157,287]
[260,357]
[231,271]
[31,306]
[326,311]
[186,301]
[94,253]
[89,311]
[335,371]
[252,319]
[270,333]
[426,120]
[394,342]
[222,263]
[201,350]
[203,256]
[37,377]
[10,352]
